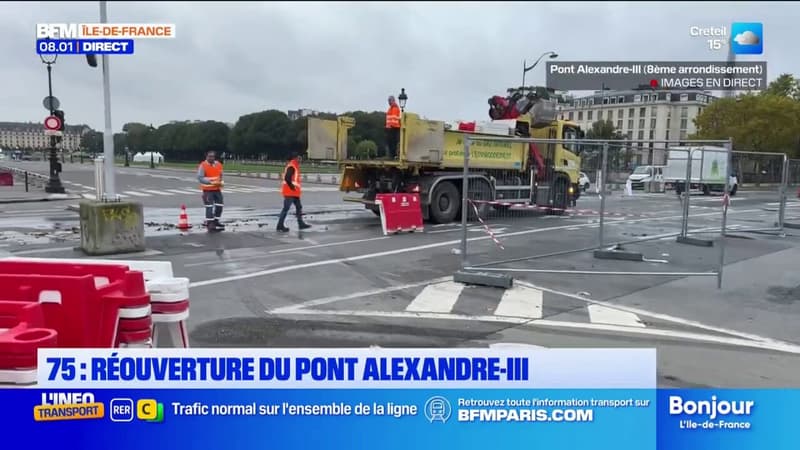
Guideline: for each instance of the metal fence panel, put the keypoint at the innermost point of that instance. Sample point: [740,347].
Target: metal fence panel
[757,189]
[514,212]
[792,208]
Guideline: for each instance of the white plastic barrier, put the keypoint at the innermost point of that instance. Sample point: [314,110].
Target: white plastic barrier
[169,297]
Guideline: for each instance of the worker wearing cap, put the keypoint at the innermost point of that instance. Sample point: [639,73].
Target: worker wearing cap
[209,174]
[291,189]
[392,128]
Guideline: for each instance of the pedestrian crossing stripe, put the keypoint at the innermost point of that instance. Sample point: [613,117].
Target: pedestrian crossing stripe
[89,191]
[522,305]
[448,299]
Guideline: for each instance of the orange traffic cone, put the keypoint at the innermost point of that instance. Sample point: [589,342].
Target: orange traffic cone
[183,220]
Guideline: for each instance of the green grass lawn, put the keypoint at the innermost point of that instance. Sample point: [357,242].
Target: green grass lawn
[238,167]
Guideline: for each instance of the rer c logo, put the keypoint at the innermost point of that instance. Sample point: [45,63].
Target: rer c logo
[150,410]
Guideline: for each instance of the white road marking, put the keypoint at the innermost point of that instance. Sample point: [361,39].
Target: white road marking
[42,250]
[665,317]
[136,194]
[149,191]
[177,191]
[338,298]
[674,334]
[612,316]
[521,301]
[398,251]
[330,244]
[439,297]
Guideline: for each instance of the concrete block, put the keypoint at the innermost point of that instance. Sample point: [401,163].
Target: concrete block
[111,228]
[695,241]
[618,255]
[484,279]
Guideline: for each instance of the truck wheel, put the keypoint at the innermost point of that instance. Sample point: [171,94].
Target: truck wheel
[560,197]
[445,203]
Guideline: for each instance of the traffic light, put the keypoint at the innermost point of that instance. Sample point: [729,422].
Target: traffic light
[60,114]
[92,60]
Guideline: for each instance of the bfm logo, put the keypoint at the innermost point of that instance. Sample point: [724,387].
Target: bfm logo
[147,410]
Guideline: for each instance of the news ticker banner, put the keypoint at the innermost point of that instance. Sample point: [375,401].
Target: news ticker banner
[392,398]
[618,419]
[96,38]
[626,75]
[360,368]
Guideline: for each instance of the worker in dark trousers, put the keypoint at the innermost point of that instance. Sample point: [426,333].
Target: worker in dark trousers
[209,174]
[392,128]
[291,189]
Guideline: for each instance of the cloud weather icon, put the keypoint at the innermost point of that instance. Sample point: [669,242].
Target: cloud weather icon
[747,38]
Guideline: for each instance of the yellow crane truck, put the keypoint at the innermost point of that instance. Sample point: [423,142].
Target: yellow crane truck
[431,163]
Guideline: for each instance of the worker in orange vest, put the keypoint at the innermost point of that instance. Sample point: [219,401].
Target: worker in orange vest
[291,189]
[209,174]
[392,128]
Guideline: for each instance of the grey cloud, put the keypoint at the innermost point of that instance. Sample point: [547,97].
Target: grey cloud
[230,58]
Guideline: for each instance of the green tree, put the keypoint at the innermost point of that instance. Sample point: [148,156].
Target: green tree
[366,149]
[785,85]
[619,154]
[120,142]
[759,123]
[138,137]
[266,132]
[92,142]
[370,126]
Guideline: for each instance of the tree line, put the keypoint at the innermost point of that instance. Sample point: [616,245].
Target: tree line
[768,121]
[265,135]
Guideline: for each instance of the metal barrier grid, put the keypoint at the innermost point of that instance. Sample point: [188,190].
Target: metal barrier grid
[792,188]
[469,205]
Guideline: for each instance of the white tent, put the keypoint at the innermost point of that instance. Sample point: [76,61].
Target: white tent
[158,158]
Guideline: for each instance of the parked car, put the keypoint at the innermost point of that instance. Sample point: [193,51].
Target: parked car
[646,174]
[584,182]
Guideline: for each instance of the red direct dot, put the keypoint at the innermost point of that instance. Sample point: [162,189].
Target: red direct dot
[654,83]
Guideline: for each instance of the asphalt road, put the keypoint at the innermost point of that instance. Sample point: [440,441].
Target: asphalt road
[344,284]
[171,188]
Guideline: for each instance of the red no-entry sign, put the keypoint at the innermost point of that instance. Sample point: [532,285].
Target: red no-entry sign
[52,123]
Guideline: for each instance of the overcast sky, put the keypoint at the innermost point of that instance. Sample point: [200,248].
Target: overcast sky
[230,59]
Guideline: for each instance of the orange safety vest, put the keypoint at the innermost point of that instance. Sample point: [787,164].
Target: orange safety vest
[393,117]
[213,173]
[285,189]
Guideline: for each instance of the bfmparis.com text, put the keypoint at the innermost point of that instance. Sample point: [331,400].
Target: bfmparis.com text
[525,415]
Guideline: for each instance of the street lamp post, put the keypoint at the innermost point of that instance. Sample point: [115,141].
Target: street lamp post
[54,185]
[152,163]
[526,68]
[402,99]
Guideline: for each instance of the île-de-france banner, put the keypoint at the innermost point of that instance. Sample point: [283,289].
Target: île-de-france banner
[378,398]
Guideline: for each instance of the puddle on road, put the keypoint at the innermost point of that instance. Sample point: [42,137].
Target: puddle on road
[162,222]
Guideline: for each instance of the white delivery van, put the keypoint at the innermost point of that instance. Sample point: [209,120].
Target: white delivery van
[643,175]
[708,170]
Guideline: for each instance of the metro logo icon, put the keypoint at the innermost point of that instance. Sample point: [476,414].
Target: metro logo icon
[150,410]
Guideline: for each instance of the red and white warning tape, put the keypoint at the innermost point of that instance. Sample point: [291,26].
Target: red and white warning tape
[524,206]
[486,227]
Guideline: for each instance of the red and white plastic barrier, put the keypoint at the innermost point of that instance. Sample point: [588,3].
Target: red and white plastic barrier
[47,303]
[400,212]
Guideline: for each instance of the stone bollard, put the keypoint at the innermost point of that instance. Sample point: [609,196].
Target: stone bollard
[111,228]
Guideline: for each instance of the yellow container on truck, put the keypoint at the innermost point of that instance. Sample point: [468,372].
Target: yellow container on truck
[431,162]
